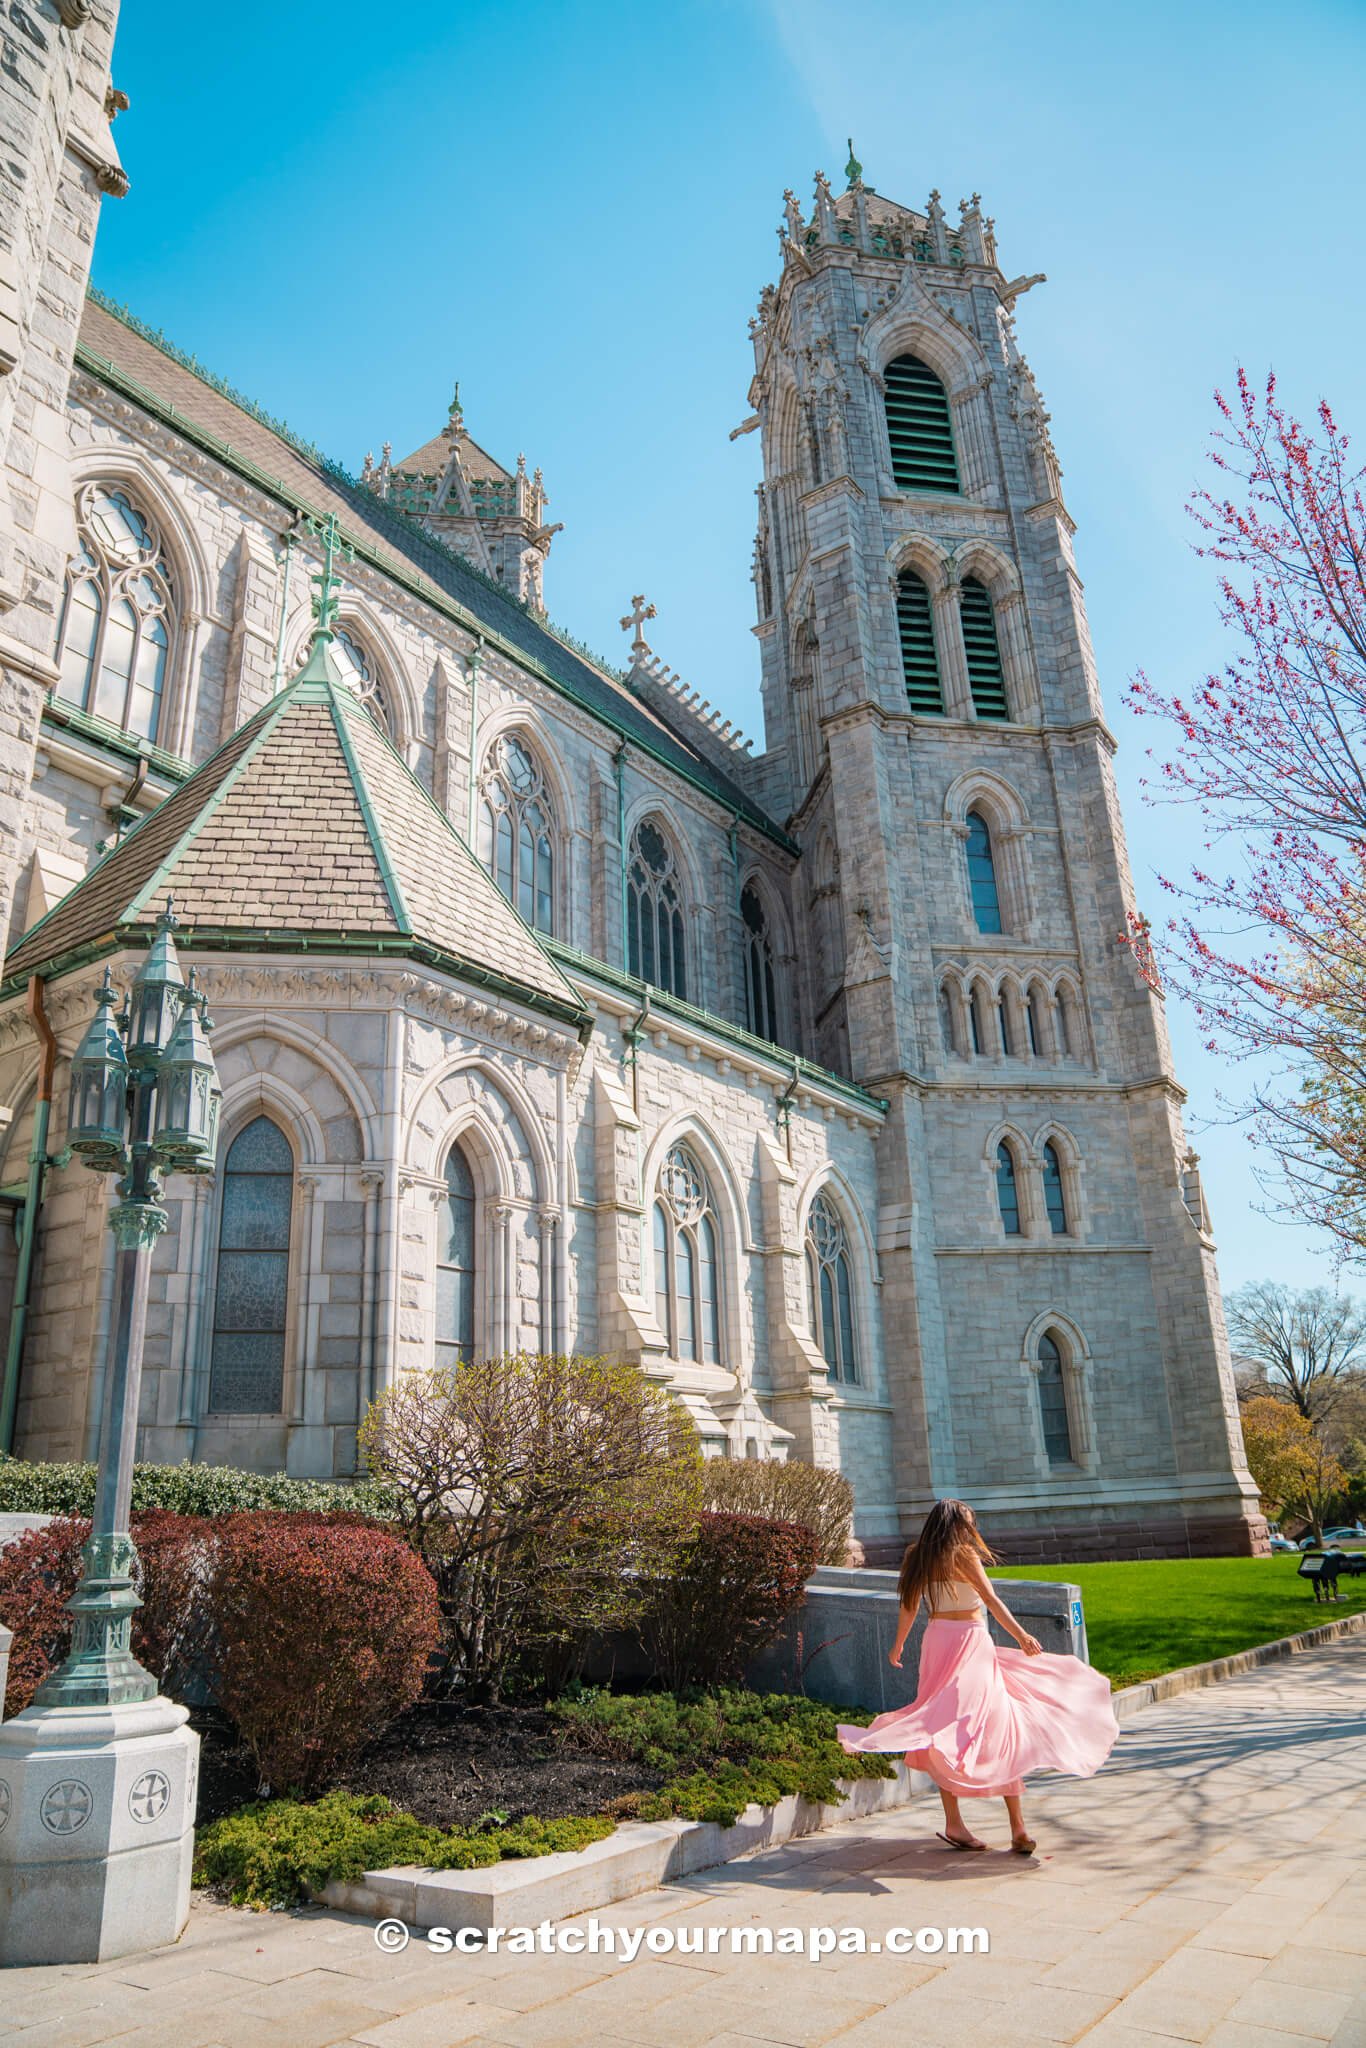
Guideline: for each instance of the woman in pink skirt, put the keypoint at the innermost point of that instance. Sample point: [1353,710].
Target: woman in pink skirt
[982,1717]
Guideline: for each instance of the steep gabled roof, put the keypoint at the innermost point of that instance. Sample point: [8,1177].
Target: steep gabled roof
[306,829]
[431,459]
[142,367]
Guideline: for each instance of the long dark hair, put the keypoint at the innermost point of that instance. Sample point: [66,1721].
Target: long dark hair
[950,1526]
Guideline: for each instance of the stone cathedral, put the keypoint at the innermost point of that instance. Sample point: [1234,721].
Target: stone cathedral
[817,1080]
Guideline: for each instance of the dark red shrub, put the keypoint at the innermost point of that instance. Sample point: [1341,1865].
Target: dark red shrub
[41,1570]
[738,1581]
[324,1630]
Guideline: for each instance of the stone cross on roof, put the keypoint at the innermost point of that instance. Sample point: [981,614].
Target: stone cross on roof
[638,614]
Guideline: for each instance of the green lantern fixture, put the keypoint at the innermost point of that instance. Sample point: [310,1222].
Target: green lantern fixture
[97,1117]
[185,1135]
[155,998]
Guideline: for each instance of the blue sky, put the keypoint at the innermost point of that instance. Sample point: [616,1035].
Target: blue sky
[572,207]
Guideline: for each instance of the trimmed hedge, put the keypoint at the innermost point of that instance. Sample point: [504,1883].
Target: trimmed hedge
[785,1490]
[734,1587]
[324,1630]
[27,1489]
[282,1852]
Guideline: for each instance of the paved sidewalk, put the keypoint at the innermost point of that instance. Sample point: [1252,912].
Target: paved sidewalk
[1209,1886]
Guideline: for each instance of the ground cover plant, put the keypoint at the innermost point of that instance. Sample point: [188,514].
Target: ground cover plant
[705,1758]
[1154,1615]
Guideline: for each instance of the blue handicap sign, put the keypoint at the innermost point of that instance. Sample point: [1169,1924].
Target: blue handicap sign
[1076,1614]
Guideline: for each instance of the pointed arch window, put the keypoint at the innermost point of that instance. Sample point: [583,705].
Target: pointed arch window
[831,1277]
[118,615]
[455,1263]
[654,911]
[1054,1197]
[986,676]
[761,991]
[247,1359]
[1007,1191]
[1053,1416]
[360,674]
[919,660]
[986,897]
[517,830]
[687,1260]
[919,428]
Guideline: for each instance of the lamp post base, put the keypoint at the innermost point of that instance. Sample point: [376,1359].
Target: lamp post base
[97,1812]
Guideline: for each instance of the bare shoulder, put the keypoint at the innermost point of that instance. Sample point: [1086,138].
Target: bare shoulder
[967,1563]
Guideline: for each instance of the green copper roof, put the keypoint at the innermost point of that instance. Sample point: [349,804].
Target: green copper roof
[305,830]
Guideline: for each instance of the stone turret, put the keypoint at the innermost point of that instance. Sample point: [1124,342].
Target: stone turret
[492,516]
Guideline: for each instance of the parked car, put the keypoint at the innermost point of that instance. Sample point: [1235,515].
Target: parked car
[1345,1534]
[1311,1542]
[1284,1543]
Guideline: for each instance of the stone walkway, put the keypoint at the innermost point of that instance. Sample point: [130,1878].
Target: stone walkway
[1209,1886]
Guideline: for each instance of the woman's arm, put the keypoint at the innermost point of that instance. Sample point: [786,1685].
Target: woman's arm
[903,1629]
[970,1567]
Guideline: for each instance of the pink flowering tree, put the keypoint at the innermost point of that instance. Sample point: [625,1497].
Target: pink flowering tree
[1267,937]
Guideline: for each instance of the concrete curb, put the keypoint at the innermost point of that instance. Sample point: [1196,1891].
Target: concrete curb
[1131,1699]
[639,1857]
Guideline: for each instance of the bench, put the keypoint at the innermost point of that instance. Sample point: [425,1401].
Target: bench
[1323,1569]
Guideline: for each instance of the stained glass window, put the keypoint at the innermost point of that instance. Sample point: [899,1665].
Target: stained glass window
[687,1260]
[986,901]
[654,911]
[1054,1200]
[1057,1427]
[247,1365]
[455,1264]
[830,1273]
[360,674]
[1007,1193]
[517,831]
[114,640]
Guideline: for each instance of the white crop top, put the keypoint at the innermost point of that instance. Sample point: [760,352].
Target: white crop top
[952,1593]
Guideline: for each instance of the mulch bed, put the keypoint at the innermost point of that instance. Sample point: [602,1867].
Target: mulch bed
[450,1764]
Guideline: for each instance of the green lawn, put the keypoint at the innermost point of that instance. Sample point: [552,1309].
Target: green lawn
[1146,1618]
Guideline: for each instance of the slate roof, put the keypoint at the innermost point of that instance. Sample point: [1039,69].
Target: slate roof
[143,368]
[305,828]
[431,459]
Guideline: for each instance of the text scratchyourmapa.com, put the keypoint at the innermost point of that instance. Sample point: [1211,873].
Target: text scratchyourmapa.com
[595,1938]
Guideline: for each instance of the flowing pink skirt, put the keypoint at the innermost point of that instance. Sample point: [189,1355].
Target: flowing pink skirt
[983,1716]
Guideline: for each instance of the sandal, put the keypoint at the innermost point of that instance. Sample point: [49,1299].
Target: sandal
[957,1842]
[1023,1845]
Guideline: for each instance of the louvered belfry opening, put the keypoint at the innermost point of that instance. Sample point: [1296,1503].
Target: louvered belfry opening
[983,650]
[918,427]
[915,621]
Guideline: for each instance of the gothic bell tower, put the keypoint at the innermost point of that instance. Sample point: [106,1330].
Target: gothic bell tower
[936,741]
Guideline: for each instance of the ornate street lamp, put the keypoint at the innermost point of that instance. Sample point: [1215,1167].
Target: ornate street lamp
[144,1103]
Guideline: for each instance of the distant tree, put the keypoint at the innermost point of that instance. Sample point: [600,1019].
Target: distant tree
[1293,1469]
[1269,941]
[1306,1344]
